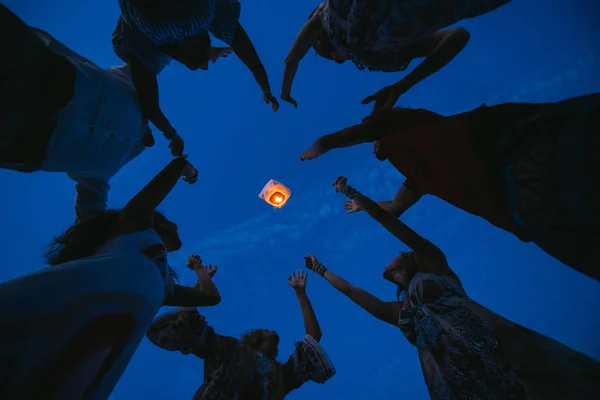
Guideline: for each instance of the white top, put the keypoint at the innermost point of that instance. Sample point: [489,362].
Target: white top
[98,132]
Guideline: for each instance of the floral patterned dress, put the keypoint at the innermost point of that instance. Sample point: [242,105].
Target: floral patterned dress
[230,370]
[373,32]
[470,352]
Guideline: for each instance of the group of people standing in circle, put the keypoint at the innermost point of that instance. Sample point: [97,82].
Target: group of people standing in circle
[70,330]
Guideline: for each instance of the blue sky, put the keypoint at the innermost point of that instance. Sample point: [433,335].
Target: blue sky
[529,50]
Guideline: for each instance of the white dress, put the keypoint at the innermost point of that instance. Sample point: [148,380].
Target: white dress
[44,311]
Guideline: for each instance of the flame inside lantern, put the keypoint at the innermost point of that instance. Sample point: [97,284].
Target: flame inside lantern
[275,194]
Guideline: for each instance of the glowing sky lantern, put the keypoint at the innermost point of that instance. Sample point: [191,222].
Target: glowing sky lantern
[275,194]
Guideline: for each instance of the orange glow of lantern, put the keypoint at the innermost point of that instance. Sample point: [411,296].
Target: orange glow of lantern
[275,194]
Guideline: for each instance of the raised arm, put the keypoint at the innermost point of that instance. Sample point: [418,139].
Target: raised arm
[138,214]
[431,258]
[402,201]
[438,49]
[384,311]
[203,294]
[146,87]
[311,323]
[306,38]
[244,49]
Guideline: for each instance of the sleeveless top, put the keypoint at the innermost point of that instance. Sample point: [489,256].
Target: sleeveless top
[102,128]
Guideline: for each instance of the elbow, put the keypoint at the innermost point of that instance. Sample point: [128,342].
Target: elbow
[461,36]
[213,300]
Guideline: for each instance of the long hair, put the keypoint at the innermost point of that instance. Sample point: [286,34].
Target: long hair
[251,341]
[84,238]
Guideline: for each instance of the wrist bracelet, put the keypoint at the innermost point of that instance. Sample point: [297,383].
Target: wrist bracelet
[350,192]
[320,269]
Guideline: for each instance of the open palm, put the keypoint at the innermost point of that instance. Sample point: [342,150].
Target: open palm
[298,280]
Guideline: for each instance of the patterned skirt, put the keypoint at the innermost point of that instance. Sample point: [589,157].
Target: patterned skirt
[550,158]
[373,33]
[469,352]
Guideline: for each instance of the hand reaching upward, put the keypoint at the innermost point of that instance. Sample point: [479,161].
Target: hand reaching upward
[298,281]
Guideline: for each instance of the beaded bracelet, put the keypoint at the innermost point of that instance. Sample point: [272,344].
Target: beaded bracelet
[320,269]
[350,192]
[192,178]
[317,267]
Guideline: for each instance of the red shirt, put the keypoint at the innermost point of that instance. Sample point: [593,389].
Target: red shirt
[438,158]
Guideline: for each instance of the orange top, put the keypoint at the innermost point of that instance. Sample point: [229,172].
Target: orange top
[438,158]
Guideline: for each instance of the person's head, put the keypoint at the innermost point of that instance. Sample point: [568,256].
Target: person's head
[85,237]
[192,51]
[402,269]
[325,48]
[263,341]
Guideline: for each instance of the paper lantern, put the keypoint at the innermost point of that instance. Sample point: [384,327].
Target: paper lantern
[275,194]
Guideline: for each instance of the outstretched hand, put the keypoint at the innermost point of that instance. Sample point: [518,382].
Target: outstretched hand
[386,98]
[310,262]
[298,281]
[351,207]
[269,98]
[219,52]
[289,99]
[194,262]
[340,184]
[176,145]
[189,173]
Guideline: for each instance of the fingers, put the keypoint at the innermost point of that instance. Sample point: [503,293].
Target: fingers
[369,99]
[297,276]
[308,262]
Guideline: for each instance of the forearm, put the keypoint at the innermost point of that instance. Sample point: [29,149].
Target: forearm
[150,197]
[304,41]
[311,323]
[338,282]
[207,286]
[146,86]
[289,73]
[448,46]
[184,296]
[406,235]
[244,49]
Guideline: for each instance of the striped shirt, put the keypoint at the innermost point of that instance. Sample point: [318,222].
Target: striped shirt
[141,31]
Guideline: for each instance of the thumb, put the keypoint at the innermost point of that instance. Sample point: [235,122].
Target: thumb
[369,99]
